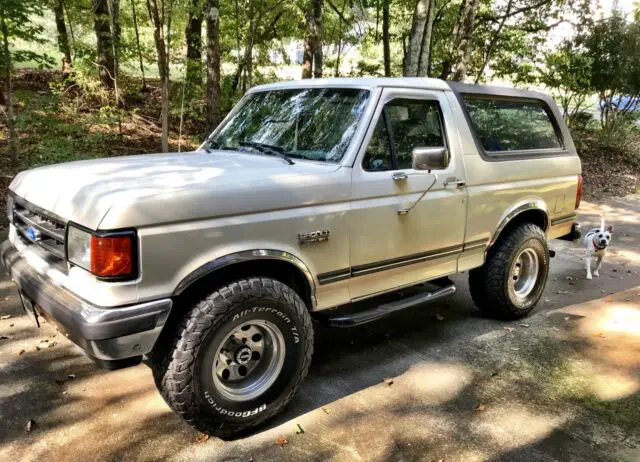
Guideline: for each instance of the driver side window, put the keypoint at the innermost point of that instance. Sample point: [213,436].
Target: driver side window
[404,124]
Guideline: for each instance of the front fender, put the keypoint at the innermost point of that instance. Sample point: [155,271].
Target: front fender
[244,256]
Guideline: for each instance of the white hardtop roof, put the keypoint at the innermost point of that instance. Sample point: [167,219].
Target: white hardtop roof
[358,82]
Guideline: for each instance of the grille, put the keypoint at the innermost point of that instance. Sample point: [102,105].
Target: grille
[40,228]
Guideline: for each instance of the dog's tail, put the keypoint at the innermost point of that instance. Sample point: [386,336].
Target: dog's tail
[601,222]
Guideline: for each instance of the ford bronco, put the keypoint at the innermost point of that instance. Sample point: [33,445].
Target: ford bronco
[309,198]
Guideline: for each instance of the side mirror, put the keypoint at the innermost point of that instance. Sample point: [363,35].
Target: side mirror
[430,158]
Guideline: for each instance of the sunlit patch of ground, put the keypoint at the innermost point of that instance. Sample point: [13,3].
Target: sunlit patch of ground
[563,384]
[568,373]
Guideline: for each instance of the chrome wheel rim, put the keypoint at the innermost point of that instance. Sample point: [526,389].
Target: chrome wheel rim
[248,360]
[524,273]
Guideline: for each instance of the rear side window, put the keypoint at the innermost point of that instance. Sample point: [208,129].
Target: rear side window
[508,125]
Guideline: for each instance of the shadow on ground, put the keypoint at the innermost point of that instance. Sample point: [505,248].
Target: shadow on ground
[561,385]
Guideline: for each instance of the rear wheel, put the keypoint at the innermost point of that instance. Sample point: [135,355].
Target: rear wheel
[512,279]
[238,357]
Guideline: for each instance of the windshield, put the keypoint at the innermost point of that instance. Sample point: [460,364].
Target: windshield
[307,123]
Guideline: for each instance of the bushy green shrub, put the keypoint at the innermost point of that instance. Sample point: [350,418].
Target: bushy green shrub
[618,143]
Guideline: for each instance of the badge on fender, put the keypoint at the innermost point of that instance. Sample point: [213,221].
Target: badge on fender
[314,236]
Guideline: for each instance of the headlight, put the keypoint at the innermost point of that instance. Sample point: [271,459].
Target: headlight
[107,256]
[10,208]
[79,247]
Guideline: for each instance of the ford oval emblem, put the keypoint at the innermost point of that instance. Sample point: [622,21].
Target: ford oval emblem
[33,234]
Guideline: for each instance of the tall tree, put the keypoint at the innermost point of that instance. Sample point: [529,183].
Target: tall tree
[193,36]
[566,71]
[495,37]
[212,93]
[138,47]
[342,21]
[312,54]
[104,42]
[386,51]
[455,65]
[613,48]
[245,60]
[63,37]
[159,15]
[418,55]
[16,23]
[8,90]
[114,13]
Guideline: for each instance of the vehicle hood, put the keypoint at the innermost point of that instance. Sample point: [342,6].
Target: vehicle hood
[153,189]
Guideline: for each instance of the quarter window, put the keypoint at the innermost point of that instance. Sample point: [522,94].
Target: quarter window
[403,125]
[505,125]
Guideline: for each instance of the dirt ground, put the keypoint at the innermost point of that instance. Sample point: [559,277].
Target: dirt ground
[564,384]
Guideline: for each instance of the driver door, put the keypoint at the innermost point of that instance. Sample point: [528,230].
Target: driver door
[400,236]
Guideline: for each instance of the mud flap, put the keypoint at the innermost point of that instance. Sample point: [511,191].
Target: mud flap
[29,308]
[574,235]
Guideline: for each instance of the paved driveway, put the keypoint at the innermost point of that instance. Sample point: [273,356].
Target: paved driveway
[561,385]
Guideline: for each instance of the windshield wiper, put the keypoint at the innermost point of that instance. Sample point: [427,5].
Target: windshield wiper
[268,149]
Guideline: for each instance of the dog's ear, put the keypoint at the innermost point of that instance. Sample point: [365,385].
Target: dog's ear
[610,229]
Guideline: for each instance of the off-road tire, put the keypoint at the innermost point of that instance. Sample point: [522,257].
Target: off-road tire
[488,284]
[183,377]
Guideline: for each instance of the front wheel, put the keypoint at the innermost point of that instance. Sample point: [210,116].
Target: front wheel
[238,357]
[512,279]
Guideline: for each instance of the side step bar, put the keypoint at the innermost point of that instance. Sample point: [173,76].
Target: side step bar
[385,309]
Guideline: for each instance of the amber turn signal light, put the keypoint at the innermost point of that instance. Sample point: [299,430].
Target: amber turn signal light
[112,256]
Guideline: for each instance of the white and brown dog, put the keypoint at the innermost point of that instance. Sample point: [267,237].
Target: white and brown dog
[596,242]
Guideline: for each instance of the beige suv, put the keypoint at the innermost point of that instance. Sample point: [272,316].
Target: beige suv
[308,197]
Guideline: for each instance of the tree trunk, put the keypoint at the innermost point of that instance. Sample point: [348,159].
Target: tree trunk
[340,21]
[317,52]
[424,64]
[104,47]
[72,42]
[307,59]
[193,35]
[139,48]
[385,38]
[63,37]
[163,67]
[312,56]
[418,55]
[245,65]
[418,23]
[13,136]
[212,93]
[462,40]
[114,11]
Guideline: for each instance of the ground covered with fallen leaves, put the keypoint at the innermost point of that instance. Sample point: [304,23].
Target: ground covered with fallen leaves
[61,123]
[610,164]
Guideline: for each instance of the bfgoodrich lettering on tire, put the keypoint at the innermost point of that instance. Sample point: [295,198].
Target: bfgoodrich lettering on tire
[238,356]
[511,281]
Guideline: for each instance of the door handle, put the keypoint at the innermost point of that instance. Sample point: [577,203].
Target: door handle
[454,181]
[399,176]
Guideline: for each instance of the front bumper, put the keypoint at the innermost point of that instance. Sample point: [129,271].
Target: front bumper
[105,334]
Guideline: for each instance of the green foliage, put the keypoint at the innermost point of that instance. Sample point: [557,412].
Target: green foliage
[520,42]
[617,143]
[16,17]
[510,41]
[568,73]
[613,46]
